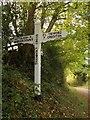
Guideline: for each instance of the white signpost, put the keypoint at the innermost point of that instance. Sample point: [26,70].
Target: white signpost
[36,39]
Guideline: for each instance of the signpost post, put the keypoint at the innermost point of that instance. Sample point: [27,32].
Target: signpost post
[36,39]
[37,45]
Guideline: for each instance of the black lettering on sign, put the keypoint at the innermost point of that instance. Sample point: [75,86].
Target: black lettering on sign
[15,38]
[15,41]
[31,39]
[36,39]
[44,35]
[53,36]
[23,38]
[36,56]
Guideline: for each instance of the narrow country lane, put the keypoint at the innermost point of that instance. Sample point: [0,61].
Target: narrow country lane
[85,93]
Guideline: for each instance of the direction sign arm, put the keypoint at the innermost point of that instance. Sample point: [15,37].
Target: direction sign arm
[64,33]
[54,35]
[24,39]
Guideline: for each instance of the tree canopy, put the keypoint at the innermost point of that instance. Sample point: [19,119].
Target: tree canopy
[18,20]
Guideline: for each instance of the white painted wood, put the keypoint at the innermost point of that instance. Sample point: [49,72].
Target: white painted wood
[24,39]
[36,40]
[64,33]
[53,35]
[37,66]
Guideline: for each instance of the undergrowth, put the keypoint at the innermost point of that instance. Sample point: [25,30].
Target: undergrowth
[56,102]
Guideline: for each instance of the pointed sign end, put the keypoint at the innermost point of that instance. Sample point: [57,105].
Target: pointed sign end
[64,33]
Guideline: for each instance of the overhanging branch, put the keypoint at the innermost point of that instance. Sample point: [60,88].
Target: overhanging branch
[61,18]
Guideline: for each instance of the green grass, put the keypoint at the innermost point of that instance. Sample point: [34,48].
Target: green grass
[57,102]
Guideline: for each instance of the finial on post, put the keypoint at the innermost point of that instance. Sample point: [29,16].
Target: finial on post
[37,21]
[38,27]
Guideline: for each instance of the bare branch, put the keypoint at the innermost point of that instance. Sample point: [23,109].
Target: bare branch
[45,5]
[43,15]
[61,18]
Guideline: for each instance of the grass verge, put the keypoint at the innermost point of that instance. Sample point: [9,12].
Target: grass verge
[57,102]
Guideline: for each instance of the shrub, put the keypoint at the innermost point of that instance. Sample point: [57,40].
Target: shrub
[52,67]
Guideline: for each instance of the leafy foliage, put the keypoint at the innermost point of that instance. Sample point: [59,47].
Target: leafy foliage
[71,50]
[18,99]
[51,63]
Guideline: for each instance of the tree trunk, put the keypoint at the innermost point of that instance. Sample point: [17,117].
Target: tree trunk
[53,20]
[29,30]
[43,15]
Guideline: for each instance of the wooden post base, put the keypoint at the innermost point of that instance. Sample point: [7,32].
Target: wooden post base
[38,97]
